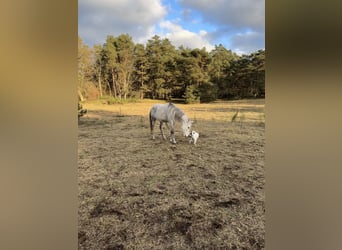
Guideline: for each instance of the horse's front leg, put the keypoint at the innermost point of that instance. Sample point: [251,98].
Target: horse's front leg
[172,134]
[161,130]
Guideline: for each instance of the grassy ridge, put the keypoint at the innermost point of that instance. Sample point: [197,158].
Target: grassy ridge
[249,110]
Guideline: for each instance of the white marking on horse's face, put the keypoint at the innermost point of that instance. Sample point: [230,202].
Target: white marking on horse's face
[186,126]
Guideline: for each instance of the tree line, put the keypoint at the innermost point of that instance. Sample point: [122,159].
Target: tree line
[122,69]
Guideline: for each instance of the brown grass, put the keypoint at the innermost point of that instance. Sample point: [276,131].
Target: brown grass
[136,193]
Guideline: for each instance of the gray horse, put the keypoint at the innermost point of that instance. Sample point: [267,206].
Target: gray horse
[169,114]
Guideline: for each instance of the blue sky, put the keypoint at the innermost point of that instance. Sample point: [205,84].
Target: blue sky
[237,24]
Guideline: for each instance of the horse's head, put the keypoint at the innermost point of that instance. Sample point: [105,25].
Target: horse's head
[186,127]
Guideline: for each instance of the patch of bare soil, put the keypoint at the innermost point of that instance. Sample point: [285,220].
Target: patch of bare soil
[139,193]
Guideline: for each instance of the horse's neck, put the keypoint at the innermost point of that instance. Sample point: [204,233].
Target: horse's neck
[178,114]
[184,118]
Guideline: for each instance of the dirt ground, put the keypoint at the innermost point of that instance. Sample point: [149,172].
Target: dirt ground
[139,193]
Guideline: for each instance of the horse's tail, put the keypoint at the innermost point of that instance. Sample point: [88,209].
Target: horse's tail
[150,116]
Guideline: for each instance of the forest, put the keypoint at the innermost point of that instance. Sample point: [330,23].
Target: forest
[122,70]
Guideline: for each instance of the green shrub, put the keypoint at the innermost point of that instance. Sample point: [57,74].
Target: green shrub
[191,95]
[208,92]
[235,116]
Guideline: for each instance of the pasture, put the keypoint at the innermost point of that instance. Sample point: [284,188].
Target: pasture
[139,193]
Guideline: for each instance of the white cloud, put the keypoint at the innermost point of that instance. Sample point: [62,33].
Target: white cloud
[99,18]
[180,36]
[245,43]
[232,13]
[223,22]
[231,20]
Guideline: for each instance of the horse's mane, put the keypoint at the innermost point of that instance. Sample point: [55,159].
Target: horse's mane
[179,113]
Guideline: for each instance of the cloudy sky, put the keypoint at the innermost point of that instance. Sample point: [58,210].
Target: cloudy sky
[237,24]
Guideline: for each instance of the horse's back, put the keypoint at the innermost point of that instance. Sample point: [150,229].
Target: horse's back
[162,105]
[157,107]
[159,112]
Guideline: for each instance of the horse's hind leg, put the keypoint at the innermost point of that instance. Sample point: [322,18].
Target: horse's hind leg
[162,131]
[152,122]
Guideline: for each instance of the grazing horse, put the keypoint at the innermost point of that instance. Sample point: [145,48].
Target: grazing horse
[169,114]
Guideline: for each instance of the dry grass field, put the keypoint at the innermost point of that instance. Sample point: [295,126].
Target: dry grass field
[139,193]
